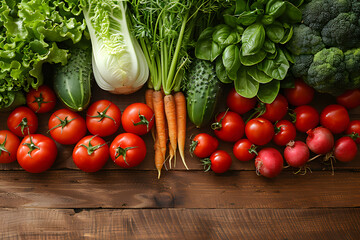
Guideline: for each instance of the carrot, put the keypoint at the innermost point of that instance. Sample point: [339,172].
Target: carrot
[159,160]
[180,102]
[171,155]
[158,102]
[149,102]
[170,111]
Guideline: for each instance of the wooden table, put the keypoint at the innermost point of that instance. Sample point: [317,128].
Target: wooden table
[66,203]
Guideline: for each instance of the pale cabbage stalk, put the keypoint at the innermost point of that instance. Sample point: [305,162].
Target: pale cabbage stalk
[119,64]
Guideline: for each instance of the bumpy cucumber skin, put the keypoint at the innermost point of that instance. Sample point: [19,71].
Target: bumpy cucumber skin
[203,90]
[72,82]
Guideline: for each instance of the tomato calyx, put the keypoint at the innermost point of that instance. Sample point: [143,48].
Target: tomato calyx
[207,164]
[103,115]
[23,124]
[39,100]
[193,145]
[143,121]
[292,115]
[62,123]
[122,152]
[31,146]
[3,148]
[258,111]
[218,125]
[354,136]
[90,148]
[252,149]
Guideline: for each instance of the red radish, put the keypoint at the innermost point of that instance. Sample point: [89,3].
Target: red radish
[320,140]
[296,153]
[269,162]
[345,149]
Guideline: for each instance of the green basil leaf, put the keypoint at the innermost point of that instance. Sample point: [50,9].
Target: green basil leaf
[268,91]
[276,68]
[269,46]
[292,14]
[288,56]
[247,18]
[231,20]
[215,51]
[267,19]
[245,85]
[288,34]
[272,55]
[240,6]
[253,39]
[263,1]
[297,3]
[231,60]
[202,49]
[251,60]
[206,33]
[275,8]
[226,36]
[257,5]
[258,75]
[221,72]
[275,32]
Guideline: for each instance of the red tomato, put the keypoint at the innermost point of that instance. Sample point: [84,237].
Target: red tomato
[220,161]
[238,103]
[127,150]
[9,144]
[66,126]
[301,94]
[103,118]
[345,149]
[203,145]
[22,121]
[41,100]
[244,150]
[349,99]
[306,117]
[276,110]
[36,153]
[259,131]
[354,128]
[90,154]
[285,131]
[229,126]
[138,118]
[335,118]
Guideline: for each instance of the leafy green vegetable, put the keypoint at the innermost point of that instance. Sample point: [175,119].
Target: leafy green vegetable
[231,60]
[253,39]
[245,85]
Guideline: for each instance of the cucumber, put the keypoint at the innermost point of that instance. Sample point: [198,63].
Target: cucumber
[203,91]
[72,82]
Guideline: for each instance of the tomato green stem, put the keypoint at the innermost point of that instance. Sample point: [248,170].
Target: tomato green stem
[31,146]
[39,100]
[2,146]
[62,123]
[122,152]
[90,148]
[103,115]
[23,124]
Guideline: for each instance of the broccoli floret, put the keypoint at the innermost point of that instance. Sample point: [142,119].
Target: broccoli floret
[352,63]
[327,73]
[301,65]
[342,31]
[305,41]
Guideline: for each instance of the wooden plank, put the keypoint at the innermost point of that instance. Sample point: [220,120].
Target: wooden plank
[177,189]
[342,223]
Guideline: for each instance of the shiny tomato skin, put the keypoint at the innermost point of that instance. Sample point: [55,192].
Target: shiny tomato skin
[133,145]
[203,145]
[354,128]
[41,158]
[276,110]
[238,103]
[231,126]
[301,94]
[335,118]
[22,116]
[307,117]
[259,131]
[103,118]
[345,149]
[71,132]
[9,142]
[220,161]
[131,121]
[242,148]
[349,99]
[41,100]
[94,159]
[285,131]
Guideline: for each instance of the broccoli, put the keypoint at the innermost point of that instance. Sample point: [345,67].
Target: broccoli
[305,41]
[302,65]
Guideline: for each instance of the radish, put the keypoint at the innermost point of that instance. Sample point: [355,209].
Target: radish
[269,162]
[320,140]
[296,153]
[345,149]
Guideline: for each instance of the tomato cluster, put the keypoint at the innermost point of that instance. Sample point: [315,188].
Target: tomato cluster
[279,123]
[37,152]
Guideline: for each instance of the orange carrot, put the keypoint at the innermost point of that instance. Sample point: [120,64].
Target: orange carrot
[159,160]
[170,111]
[149,102]
[171,155]
[181,114]
[158,102]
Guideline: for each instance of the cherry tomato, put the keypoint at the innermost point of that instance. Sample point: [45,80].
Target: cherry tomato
[276,110]
[354,128]
[285,131]
[349,99]
[36,153]
[22,121]
[90,153]
[138,118]
[66,126]
[9,144]
[220,161]
[238,103]
[259,131]
[203,145]
[335,118]
[229,126]
[103,118]
[345,149]
[41,100]
[301,94]
[306,117]
[127,150]
[244,150]
[269,162]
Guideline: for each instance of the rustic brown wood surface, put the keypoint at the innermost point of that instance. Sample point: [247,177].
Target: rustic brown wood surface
[66,203]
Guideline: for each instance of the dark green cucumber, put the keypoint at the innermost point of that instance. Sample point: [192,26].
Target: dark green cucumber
[72,82]
[203,90]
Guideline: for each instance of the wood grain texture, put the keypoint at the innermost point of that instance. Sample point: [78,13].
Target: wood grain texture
[195,224]
[177,189]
